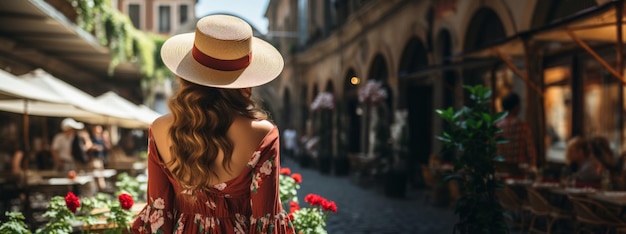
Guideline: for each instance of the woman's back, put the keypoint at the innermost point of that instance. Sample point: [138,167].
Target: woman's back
[240,200]
[246,134]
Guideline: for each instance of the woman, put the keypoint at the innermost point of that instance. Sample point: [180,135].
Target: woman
[587,169]
[213,162]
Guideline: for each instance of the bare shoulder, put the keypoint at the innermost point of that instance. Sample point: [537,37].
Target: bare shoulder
[263,126]
[252,130]
[162,123]
[160,128]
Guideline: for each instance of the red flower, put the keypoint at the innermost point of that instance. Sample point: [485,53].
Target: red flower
[297,177]
[72,202]
[285,171]
[329,206]
[126,201]
[291,216]
[293,206]
[314,199]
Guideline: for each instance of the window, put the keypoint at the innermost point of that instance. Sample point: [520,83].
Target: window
[164,19]
[134,12]
[182,12]
[558,111]
[601,103]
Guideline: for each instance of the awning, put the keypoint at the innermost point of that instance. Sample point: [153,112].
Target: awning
[595,24]
[14,88]
[74,102]
[142,118]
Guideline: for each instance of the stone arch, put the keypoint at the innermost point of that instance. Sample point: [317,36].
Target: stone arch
[352,112]
[414,56]
[484,28]
[330,87]
[382,113]
[379,70]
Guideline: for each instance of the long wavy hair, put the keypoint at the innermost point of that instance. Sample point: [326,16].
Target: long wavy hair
[202,116]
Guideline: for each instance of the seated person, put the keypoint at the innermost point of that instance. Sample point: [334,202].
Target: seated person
[16,166]
[601,150]
[587,169]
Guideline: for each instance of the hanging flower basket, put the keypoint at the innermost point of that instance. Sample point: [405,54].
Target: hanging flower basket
[372,93]
[323,101]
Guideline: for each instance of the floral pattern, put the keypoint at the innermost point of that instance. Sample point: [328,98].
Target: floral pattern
[246,204]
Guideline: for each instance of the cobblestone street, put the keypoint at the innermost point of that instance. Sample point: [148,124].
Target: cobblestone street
[367,210]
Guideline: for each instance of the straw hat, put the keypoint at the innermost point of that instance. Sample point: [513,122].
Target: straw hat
[222,53]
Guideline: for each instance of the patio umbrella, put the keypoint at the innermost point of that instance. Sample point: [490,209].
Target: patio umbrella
[22,93]
[141,117]
[14,88]
[75,103]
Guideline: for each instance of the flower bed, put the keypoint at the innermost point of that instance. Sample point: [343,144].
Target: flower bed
[101,215]
[94,215]
[306,220]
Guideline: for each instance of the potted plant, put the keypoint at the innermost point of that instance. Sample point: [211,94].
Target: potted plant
[472,133]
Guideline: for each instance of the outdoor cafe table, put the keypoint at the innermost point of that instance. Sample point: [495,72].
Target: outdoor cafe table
[617,198]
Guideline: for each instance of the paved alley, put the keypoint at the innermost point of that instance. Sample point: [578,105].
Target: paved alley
[367,210]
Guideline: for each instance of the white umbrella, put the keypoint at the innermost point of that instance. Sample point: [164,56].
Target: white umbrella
[79,104]
[149,114]
[141,118]
[14,88]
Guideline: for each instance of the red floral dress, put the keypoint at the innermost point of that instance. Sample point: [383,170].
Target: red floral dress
[249,203]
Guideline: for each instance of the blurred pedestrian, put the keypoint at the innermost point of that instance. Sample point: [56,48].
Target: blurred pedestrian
[69,147]
[290,142]
[100,145]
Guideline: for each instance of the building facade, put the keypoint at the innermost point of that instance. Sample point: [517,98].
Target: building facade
[158,16]
[423,52]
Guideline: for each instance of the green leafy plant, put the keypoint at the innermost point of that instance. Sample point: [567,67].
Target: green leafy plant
[126,44]
[130,185]
[306,220]
[15,224]
[289,185]
[311,220]
[472,133]
[60,215]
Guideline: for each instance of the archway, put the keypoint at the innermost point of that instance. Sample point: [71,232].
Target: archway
[416,98]
[378,117]
[351,125]
[484,28]
[450,77]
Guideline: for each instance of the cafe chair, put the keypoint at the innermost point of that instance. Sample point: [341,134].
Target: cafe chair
[541,208]
[515,206]
[592,214]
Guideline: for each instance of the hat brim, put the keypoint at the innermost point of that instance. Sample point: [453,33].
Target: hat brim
[266,64]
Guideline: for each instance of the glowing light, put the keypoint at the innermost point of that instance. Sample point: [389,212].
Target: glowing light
[355,80]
